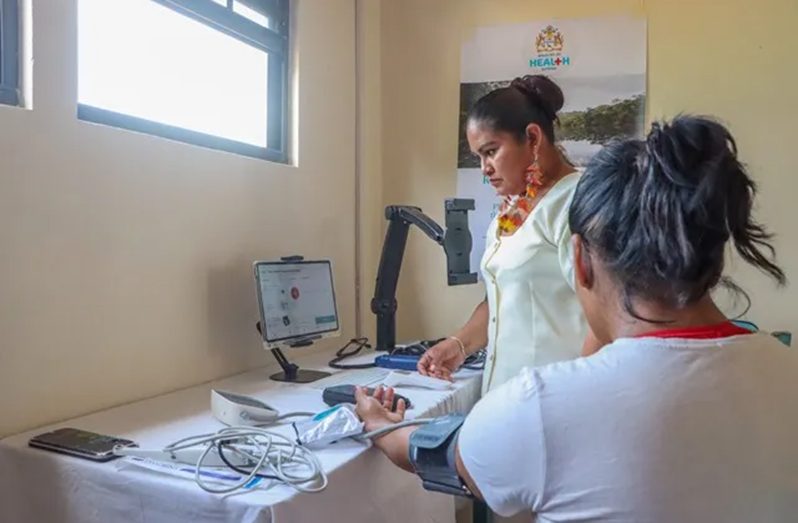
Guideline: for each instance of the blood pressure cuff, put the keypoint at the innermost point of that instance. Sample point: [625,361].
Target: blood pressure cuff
[432,453]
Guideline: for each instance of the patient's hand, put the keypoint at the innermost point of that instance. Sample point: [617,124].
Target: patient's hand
[375,411]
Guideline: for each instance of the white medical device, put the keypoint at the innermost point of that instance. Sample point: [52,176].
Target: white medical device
[237,410]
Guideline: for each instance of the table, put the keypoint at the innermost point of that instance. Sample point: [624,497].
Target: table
[39,486]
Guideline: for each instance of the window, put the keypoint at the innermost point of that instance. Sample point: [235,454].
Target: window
[9,52]
[207,72]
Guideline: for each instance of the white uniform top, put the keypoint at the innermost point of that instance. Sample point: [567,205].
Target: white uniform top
[646,430]
[535,317]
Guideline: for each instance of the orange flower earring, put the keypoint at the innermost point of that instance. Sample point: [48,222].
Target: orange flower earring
[515,209]
[534,178]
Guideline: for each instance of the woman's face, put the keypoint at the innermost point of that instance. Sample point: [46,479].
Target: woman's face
[503,159]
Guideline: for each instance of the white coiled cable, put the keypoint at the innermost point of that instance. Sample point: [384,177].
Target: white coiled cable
[270,454]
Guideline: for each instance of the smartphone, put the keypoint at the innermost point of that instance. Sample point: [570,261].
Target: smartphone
[80,443]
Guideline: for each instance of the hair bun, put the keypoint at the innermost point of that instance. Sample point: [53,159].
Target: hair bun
[690,148]
[544,91]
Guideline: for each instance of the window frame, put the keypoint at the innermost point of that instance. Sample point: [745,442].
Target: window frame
[274,42]
[9,52]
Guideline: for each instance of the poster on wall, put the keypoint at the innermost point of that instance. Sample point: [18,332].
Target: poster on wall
[600,65]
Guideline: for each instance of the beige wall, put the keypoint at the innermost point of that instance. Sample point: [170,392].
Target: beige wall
[733,59]
[126,259]
[369,157]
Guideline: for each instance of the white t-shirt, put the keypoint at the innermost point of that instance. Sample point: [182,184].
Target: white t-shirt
[535,316]
[646,430]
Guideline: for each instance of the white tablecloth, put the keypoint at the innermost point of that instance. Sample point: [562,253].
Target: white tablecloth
[37,486]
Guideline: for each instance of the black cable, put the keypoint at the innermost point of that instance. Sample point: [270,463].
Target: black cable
[220,445]
[415,349]
[341,354]
[296,431]
[475,361]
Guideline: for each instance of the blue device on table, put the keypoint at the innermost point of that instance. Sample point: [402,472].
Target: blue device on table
[397,361]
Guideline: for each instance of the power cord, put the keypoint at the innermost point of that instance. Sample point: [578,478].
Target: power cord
[357,345]
[415,349]
[221,445]
[270,454]
[475,360]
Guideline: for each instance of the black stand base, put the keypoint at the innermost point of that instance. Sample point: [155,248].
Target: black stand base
[300,376]
[291,371]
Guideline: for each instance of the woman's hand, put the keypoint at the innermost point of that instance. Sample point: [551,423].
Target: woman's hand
[442,360]
[375,411]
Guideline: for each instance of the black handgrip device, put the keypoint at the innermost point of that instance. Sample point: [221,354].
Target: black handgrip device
[346,394]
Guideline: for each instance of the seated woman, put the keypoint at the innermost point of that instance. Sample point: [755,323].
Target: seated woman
[682,416]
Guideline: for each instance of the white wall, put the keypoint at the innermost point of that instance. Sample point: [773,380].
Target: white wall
[126,259]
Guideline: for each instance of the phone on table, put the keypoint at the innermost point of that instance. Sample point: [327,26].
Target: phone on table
[80,443]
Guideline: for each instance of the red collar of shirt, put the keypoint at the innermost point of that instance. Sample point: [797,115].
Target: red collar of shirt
[703,332]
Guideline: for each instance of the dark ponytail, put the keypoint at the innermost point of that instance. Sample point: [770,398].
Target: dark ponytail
[659,212]
[529,99]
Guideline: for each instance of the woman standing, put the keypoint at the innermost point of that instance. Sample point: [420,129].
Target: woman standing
[531,315]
